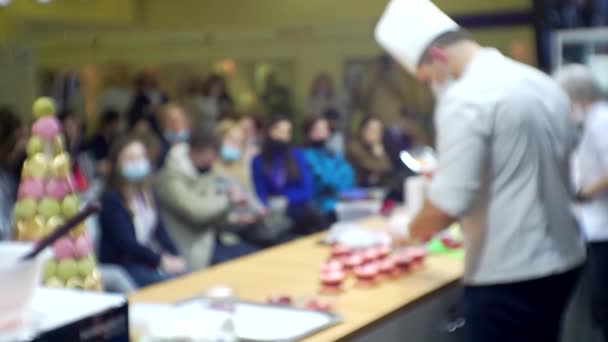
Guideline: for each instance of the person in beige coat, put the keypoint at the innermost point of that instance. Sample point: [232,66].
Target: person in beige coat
[193,199]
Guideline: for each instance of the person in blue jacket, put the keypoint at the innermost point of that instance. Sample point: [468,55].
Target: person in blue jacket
[133,235]
[331,172]
[280,170]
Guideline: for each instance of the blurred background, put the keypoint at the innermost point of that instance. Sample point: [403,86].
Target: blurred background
[87,54]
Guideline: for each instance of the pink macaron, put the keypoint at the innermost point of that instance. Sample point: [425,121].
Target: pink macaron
[83,247]
[331,282]
[389,268]
[47,128]
[353,261]
[57,188]
[383,251]
[31,188]
[64,249]
[370,255]
[366,275]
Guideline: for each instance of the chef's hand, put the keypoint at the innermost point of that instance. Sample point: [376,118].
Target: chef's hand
[401,239]
[420,234]
[172,264]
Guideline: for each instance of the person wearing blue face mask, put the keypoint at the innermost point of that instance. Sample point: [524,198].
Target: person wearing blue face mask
[231,162]
[197,202]
[133,235]
[175,128]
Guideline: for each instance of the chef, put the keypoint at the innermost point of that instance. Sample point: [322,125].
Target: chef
[591,179]
[504,138]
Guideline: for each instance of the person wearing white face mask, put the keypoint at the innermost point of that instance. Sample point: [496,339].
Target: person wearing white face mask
[590,166]
[504,139]
[133,235]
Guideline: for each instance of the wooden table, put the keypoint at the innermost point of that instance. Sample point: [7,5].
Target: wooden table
[293,269]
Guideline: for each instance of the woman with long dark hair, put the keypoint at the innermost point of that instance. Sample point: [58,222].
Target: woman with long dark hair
[368,156]
[281,171]
[132,231]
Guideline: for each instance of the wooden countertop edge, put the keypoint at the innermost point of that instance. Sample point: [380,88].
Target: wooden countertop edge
[369,326]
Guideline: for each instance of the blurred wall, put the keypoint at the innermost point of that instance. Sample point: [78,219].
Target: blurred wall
[312,35]
[272,13]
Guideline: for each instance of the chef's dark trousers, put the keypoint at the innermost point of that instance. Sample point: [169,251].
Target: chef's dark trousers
[597,271]
[523,311]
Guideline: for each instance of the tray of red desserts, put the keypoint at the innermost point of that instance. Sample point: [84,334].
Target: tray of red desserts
[367,266]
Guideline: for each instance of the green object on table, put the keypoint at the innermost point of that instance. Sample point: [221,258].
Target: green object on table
[435,246]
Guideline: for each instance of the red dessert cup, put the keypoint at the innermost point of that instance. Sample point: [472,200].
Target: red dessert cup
[352,262]
[366,275]
[388,269]
[404,262]
[383,251]
[370,255]
[331,282]
[417,254]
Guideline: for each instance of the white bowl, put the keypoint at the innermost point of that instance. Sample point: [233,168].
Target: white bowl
[357,210]
[18,280]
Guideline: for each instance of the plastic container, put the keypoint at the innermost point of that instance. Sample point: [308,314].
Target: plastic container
[18,281]
[223,298]
[353,211]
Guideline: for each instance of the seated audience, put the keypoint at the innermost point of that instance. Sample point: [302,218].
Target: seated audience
[322,95]
[174,127]
[99,146]
[368,156]
[147,99]
[280,170]
[331,173]
[133,233]
[231,164]
[400,137]
[250,218]
[195,202]
[251,129]
[276,97]
[83,165]
[216,101]
[335,142]
[13,139]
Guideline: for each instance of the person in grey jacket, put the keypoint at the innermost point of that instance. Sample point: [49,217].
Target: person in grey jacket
[195,201]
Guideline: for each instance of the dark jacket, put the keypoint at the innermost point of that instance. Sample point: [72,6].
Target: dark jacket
[299,192]
[118,242]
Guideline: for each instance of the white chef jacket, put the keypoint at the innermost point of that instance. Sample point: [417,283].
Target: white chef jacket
[504,139]
[591,164]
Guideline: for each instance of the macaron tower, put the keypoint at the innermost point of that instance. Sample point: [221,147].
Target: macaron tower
[46,199]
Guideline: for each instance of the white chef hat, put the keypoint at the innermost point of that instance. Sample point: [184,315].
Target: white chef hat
[407,27]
